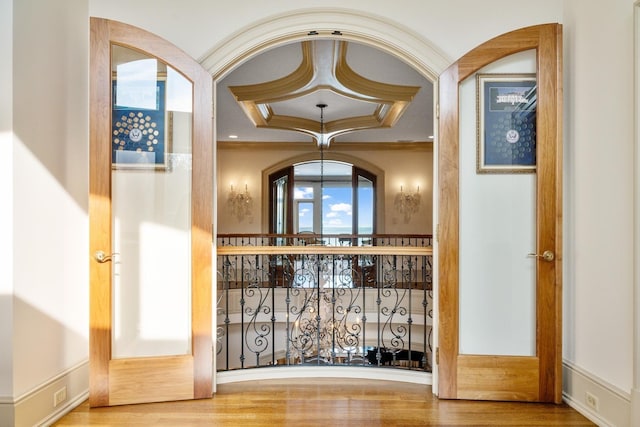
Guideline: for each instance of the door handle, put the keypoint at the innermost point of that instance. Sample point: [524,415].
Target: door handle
[546,255]
[101,257]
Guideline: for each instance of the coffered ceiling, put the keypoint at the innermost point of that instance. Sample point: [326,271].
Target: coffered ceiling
[370,97]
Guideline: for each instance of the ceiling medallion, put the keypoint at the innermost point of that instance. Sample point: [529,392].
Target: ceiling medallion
[324,70]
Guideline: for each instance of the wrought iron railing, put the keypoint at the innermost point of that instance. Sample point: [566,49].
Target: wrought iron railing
[324,305]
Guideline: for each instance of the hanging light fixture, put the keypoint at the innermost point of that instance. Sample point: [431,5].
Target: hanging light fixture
[322,143]
[322,137]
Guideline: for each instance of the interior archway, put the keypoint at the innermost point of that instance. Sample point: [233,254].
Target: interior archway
[373,31]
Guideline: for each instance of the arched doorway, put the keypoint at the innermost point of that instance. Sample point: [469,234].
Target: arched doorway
[544,44]
[253,41]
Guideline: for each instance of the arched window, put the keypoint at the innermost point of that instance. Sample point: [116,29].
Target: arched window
[322,197]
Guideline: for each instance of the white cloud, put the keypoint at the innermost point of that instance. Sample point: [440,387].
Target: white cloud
[341,207]
[303,193]
[336,221]
[332,215]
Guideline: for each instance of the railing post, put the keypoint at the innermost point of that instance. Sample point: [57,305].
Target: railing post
[364,314]
[318,318]
[333,309]
[226,282]
[410,319]
[287,284]
[424,310]
[379,308]
[242,302]
[272,289]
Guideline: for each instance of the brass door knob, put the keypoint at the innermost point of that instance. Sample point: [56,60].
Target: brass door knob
[101,257]
[546,255]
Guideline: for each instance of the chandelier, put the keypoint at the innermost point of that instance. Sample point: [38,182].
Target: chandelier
[326,323]
[322,143]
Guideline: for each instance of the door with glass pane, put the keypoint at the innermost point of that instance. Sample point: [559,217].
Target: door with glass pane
[151,219]
[364,222]
[281,203]
[500,220]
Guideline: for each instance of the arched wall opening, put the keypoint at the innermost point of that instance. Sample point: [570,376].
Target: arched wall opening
[371,30]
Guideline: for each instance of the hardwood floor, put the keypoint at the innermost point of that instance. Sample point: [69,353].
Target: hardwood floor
[326,402]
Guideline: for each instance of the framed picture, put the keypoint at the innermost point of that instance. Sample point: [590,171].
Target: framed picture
[506,106]
[141,126]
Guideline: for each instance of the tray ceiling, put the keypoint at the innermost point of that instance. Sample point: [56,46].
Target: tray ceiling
[370,96]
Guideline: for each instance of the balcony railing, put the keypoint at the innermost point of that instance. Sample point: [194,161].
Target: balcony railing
[295,300]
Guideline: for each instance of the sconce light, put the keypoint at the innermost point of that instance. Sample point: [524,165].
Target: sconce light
[240,203]
[407,204]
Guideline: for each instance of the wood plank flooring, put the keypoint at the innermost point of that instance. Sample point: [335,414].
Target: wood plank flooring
[326,402]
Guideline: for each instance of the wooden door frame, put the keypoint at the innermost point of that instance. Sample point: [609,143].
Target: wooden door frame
[105,32]
[546,39]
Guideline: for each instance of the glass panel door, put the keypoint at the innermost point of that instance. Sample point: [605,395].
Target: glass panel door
[151,206]
[366,205]
[498,209]
[280,203]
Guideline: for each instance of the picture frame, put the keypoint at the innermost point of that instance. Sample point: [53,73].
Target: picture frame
[506,123]
[141,126]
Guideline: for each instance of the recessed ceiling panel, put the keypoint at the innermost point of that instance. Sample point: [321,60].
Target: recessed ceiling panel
[338,106]
[371,96]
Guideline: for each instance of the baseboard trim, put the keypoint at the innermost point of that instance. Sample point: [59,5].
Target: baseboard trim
[408,376]
[36,407]
[613,405]
[61,411]
[635,407]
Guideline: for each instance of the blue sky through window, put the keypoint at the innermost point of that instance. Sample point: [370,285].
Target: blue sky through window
[337,199]
[337,210]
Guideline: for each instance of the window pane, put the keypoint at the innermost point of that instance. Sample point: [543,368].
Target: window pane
[303,192]
[280,211]
[305,217]
[151,207]
[365,206]
[497,230]
[337,209]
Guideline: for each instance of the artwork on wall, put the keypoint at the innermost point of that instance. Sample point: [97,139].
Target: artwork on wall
[141,127]
[506,123]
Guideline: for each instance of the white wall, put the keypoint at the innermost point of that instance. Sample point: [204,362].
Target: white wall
[6,194]
[50,172]
[598,311]
[455,26]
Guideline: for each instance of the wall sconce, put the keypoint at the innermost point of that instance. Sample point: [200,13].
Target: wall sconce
[240,203]
[407,204]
